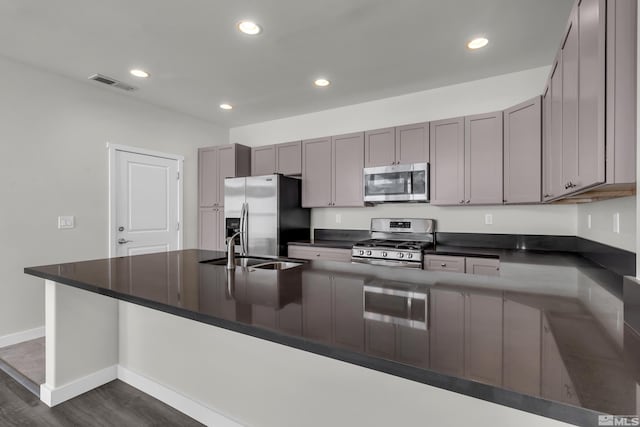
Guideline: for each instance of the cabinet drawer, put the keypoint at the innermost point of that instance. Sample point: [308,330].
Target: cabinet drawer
[483,266]
[324,254]
[444,263]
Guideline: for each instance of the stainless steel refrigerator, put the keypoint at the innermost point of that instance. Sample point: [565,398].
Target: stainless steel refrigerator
[268,210]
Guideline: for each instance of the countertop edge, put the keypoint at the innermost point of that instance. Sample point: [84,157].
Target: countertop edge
[486,392]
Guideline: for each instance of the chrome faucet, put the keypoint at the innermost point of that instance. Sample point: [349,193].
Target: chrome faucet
[231,251]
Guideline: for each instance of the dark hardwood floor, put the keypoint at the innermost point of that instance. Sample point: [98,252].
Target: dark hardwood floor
[113,404]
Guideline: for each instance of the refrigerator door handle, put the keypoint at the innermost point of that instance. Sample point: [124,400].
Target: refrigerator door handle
[245,228]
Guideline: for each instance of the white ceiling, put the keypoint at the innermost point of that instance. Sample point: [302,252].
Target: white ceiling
[369,49]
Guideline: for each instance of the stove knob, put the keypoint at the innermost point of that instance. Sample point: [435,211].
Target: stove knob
[368,252]
[400,255]
[384,254]
[409,256]
[361,252]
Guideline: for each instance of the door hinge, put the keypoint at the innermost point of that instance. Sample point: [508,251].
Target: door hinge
[178,226]
[178,176]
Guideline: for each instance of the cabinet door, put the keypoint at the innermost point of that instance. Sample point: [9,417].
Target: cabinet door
[380,339]
[209,229]
[483,266]
[207,177]
[591,93]
[289,158]
[452,264]
[447,162]
[447,331]
[317,307]
[226,168]
[380,147]
[316,173]
[570,51]
[348,162]
[348,306]
[552,163]
[483,338]
[412,143]
[263,160]
[523,152]
[522,347]
[412,346]
[552,365]
[483,159]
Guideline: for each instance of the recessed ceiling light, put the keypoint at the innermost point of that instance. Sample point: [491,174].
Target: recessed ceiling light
[226,106]
[322,82]
[139,73]
[477,43]
[249,27]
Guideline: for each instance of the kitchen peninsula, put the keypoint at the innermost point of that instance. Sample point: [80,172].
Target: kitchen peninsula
[538,339]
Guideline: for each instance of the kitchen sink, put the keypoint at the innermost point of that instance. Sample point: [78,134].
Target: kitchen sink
[241,261]
[277,265]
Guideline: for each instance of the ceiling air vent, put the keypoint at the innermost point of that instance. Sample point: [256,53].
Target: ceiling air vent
[112,82]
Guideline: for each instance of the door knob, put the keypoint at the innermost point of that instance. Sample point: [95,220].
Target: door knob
[121,228]
[123,241]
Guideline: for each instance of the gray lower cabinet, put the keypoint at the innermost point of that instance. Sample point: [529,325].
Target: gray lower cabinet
[483,337]
[332,309]
[523,152]
[447,162]
[332,171]
[447,331]
[483,159]
[482,266]
[319,253]
[210,229]
[460,264]
[556,383]
[522,347]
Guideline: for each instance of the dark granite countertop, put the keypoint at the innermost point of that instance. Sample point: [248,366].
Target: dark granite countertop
[536,339]
[339,244]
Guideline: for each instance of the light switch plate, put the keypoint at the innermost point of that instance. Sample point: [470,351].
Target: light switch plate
[616,223]
[338,219]
[488,219]
[589,221]
[67,221]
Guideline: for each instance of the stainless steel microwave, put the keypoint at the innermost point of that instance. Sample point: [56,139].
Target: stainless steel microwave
[398,183]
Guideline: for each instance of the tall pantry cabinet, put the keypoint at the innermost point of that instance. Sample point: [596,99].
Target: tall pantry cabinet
[214,165]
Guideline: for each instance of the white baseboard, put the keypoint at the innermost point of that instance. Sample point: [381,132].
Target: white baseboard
[187,406]
[53,397]
[18,337]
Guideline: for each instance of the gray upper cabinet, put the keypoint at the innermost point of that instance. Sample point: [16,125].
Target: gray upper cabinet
[208,177]
[412,143]
[289,158]
[263,160]
[483,159]
[332,171]
[400,145]
[447,161]
[285,159]
[552,125]
[347,165]
[591,94]
[570,51]
[380,147]
[316,173]
[523,152]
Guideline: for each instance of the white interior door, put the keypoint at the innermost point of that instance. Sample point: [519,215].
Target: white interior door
[146,204]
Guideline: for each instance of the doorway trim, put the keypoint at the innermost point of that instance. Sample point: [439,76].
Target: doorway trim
[112,149]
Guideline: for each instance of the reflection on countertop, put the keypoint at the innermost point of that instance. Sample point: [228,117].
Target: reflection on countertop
[553,329]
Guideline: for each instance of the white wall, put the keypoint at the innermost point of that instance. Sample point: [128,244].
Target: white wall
[52,144]
[602,222]
[481,96]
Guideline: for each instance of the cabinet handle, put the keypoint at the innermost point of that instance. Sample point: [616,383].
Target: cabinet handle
[443,265]
[461,201]
[468,201]
[547,196]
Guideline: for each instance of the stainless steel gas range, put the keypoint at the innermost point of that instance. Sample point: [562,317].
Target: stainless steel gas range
[396,242]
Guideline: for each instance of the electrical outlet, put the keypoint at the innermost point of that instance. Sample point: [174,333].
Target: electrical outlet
[616,223]
[589,221]
[66,222]
[488,219]
[338,219]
